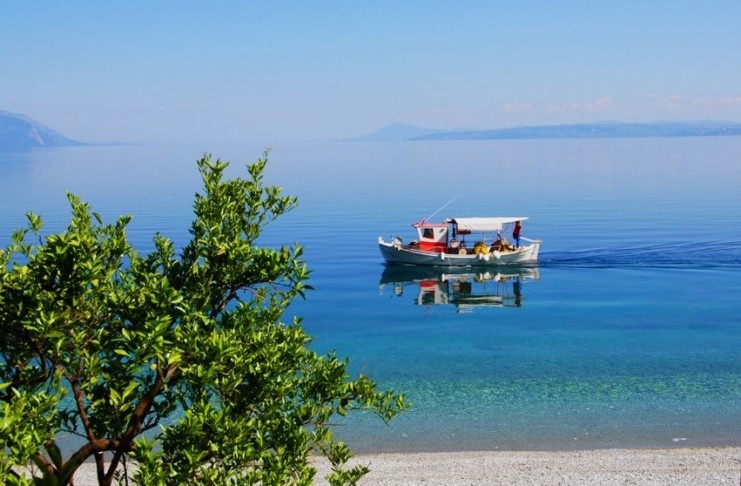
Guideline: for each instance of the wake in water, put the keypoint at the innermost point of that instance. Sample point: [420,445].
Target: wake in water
[693,253]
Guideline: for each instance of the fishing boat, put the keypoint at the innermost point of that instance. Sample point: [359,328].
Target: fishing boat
[462,242]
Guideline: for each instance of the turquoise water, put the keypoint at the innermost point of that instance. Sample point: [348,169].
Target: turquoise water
[627,334]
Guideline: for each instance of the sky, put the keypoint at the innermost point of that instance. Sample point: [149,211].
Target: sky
[276,71]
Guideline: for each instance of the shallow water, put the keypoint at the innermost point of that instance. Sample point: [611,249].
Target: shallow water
[626,334]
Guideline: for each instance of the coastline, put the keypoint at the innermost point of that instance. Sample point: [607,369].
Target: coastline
[689,466]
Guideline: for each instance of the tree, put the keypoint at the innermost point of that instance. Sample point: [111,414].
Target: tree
[177,361]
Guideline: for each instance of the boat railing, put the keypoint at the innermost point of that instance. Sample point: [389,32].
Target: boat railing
[529,240]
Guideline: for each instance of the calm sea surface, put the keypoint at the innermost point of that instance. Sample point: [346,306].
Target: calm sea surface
[627,334]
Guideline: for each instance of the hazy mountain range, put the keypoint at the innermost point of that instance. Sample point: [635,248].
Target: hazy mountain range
[404,132]
[19,132]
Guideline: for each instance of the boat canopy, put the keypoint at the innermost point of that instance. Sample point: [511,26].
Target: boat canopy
[483,224]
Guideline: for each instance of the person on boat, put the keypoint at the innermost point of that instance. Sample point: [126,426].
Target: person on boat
[516,233]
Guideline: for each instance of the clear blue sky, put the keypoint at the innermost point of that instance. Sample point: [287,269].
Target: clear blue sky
[274,71]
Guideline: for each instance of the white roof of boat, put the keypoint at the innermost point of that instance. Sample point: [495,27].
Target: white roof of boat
[485,224]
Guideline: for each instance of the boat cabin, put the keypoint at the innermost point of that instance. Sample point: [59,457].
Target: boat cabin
[432,236]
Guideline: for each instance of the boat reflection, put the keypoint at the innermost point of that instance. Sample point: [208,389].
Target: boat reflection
[464,288]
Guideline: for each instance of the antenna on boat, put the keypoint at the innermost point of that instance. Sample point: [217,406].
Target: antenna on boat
[441,208]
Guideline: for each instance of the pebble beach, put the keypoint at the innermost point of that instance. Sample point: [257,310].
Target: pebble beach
[604,467]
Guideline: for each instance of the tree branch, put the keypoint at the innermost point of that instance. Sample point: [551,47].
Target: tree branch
[171,375]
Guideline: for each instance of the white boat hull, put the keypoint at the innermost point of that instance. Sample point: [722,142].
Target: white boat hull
[395,252]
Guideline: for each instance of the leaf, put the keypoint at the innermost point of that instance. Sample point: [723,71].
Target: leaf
[55,454]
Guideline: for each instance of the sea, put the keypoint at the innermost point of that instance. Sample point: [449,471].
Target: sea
[627,333]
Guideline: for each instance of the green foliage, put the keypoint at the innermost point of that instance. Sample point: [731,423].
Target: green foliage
[177,361]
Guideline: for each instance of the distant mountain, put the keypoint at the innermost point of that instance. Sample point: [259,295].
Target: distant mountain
[395,133]
[19,132]
[403,132]
[595,130]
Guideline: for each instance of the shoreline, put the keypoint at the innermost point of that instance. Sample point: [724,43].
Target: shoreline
[676,466]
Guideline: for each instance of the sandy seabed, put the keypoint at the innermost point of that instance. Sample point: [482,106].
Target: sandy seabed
[701,466]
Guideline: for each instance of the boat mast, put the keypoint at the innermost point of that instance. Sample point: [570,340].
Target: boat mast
[440,209]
